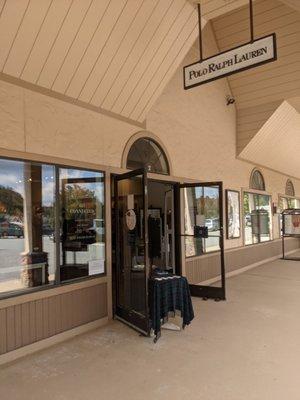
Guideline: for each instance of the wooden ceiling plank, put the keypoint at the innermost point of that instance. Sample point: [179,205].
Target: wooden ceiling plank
[257,111]
[69,29]
[45,40]
[95,48]
[265,77]
[27,36]
[158,19]
[80,45]
[74,40]
[166,70]
[265,98]
[169,72]
[125,50]
[243,14]
[286,24]
[11,19]
[2,5]
[160,54]
[149,54]
[260,20]
[269,83]
[126,21]
[213,10]
[255,72]
[281,154]
[242,121]
[275,92]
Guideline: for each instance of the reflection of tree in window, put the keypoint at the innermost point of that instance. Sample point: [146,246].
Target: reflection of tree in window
[11,203]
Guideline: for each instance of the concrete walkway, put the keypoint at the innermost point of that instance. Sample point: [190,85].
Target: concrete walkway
[243,349]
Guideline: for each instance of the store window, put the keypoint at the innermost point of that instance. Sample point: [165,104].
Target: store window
[257,211]
[257,218]
[257,181]
[82,245]
[287,201]
[47,214]
[146,153]
[201,210]
[27,224]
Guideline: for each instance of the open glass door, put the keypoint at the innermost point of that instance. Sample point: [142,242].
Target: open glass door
[132,265]
[202,235]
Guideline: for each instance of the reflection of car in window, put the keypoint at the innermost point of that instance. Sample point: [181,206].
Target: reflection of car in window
[48,230]
[212,224]
[11,229]
[209,224]
[216,224]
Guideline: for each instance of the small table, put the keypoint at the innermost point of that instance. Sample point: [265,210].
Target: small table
[169,294]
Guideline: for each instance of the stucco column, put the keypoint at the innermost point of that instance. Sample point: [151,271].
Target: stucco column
[34,260]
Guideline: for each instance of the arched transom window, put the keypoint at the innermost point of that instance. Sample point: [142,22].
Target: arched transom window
[146,153]
[289,188]
[257,181]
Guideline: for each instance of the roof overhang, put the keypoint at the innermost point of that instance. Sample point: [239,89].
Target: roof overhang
[277,143]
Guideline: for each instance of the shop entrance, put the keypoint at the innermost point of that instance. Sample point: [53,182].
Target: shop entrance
[151,231]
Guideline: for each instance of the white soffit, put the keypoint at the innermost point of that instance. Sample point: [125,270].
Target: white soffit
[113,55]
[277,143]
[110,55]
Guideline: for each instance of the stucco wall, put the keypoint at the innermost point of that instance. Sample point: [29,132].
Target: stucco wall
[36,123]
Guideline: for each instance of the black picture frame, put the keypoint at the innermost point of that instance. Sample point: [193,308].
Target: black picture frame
[228,217]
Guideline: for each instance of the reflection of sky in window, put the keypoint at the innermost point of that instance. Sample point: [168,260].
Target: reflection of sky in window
[212,192]
[77,173]
[12,176]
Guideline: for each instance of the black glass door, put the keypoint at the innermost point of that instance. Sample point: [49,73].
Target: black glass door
[132,266]
[202,235]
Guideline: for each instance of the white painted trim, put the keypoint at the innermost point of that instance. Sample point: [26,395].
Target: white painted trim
[43,344]
[244,269]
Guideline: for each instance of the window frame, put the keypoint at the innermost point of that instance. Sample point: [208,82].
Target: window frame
[150,139]
[290,183]
[285,196]
[251,180]
[57,282]
[263,193]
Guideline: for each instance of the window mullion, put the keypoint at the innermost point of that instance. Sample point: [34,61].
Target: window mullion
[57,227]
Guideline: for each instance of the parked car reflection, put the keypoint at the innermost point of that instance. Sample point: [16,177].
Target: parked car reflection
[11,229]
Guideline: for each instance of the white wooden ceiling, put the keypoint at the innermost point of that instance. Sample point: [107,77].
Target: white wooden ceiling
[258,92]
[115,55]
[277,144]
[110,55]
